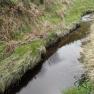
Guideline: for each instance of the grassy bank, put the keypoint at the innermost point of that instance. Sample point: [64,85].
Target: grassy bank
[76,11]
[78,8]
[27,27]
[88,51]
[86,88]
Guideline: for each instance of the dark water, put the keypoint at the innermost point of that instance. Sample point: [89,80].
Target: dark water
[58,73]
[63,68]
[88,17]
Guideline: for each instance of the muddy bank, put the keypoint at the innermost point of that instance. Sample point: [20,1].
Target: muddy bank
[75,32]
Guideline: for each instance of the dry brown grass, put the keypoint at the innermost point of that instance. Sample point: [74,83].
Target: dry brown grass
[88,49]
[13,17]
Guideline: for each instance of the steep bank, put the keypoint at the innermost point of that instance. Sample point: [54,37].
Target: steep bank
[26,28]
[35,27]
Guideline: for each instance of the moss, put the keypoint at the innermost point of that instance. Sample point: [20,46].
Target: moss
[51,39]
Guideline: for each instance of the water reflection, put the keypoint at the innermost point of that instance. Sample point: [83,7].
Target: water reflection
[88,17]
[57,72]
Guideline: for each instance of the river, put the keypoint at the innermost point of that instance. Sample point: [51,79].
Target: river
[58,73]
[62,69]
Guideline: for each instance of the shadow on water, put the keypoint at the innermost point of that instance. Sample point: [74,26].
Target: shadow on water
[57,72]
[31,77]
[81,31]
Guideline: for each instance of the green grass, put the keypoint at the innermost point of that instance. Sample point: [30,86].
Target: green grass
[55,6]
[51,15]
[52,18]
[33,47]
[19,35]
[77,9]
[21,51]
[2,47]
[81,90]
[18,60]
[13,67]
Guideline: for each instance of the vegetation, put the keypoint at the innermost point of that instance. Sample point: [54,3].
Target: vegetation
[78,8]
[26,26]
[86,88]
[25,21]
[73,15]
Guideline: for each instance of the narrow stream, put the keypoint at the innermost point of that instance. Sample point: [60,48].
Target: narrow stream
[63,68]
[59,72]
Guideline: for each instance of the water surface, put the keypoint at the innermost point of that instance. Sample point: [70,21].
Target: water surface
[63,68]
[58,73]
